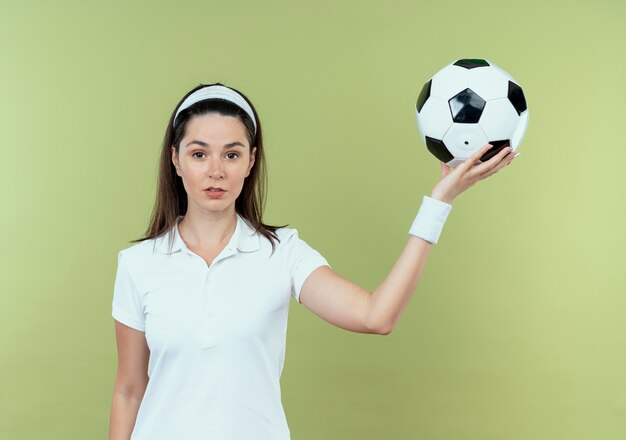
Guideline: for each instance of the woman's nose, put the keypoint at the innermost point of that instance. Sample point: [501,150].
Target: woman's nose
[215,169]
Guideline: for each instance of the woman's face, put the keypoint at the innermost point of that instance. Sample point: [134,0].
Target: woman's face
[213,161]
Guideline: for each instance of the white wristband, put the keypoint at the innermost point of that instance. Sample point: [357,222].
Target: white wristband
[430,219]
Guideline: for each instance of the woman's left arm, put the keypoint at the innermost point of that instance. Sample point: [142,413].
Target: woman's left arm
[348,306]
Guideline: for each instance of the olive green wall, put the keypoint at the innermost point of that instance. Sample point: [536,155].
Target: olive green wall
[516,330]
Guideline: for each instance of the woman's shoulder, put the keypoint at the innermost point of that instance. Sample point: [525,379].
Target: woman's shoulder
[295,249]
[288,237]
[285,232]
[142,249]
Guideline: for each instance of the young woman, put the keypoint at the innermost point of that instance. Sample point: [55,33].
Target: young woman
[200,302]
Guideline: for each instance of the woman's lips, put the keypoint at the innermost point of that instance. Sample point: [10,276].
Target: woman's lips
[214,194]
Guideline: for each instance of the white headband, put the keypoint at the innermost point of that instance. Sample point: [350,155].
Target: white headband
[220,92]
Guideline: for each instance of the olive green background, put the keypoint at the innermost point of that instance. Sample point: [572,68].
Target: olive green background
[516,330]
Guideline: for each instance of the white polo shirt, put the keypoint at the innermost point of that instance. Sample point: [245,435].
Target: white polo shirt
[216,334]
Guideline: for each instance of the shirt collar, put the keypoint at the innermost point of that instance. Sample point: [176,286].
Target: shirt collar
[244,239]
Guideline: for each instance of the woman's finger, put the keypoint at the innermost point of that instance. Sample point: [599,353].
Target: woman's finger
[445,169]
[471,161]
[504,162]
[491,163]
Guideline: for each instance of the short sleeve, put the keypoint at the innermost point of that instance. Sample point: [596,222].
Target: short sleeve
[127,305]
[302,259]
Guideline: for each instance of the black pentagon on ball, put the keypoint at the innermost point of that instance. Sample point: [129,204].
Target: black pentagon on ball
[516,96]
[438,149]
[471,63]
[466,107]
[424,95]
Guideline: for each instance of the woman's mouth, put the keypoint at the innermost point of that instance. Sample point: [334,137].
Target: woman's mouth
[214,192]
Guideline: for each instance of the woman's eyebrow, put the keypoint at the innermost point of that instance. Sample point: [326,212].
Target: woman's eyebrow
[204,144]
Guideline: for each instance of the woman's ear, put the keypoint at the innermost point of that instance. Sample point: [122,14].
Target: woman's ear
[175,159]
[252,160]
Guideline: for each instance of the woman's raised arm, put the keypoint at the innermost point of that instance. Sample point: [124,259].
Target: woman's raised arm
[346,305]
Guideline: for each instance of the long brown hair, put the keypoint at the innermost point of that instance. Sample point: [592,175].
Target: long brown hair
[171,197]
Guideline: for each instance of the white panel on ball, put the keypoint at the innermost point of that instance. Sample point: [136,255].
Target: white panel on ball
[419,126]
[463,139]
[516,140]
[488,83]
[499,120]
[449,81]
[435,115]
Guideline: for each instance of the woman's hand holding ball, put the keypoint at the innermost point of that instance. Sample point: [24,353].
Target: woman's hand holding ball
[454,181]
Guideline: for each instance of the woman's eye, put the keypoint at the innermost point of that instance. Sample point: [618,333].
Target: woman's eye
[232,155]
[197,152]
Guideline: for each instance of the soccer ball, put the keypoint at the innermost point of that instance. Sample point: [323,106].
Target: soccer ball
[467,104]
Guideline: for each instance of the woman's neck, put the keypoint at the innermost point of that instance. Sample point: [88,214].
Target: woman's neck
[199,230]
